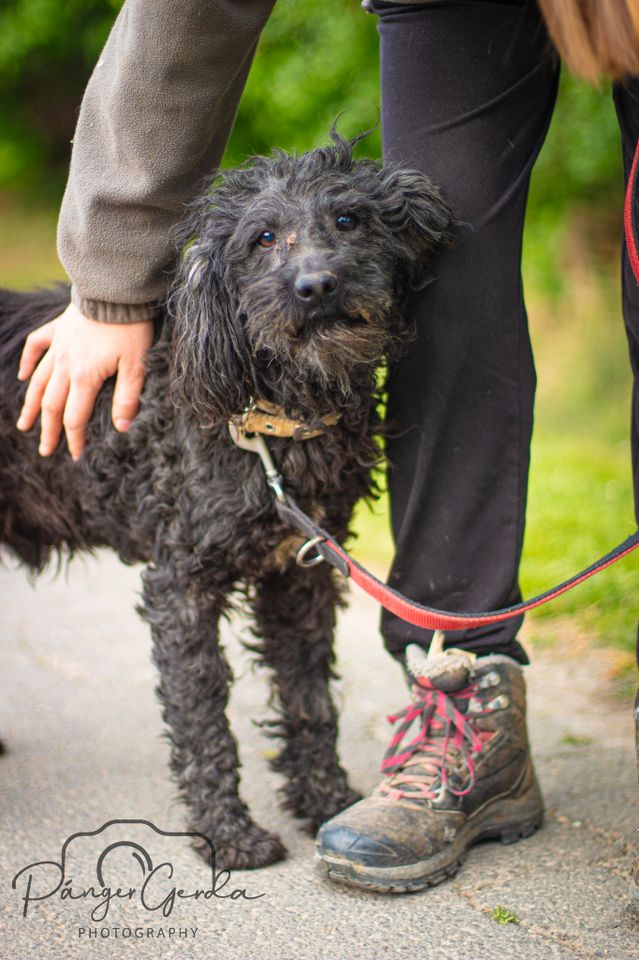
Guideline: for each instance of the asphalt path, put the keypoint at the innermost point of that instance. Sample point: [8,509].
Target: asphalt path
[84,747]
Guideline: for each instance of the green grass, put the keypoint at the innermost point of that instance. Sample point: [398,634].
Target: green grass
[572,740]
[27,245]
[502,915]
[580,499]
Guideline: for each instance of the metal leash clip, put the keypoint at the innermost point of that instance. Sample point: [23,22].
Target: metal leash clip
[301,557]
[256,443]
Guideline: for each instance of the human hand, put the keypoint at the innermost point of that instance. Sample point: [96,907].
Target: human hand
[79,355]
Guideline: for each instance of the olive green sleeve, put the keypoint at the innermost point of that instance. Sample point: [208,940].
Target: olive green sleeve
[155,119]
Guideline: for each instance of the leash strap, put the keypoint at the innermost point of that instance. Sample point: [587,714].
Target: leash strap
[630,216]
[431,618]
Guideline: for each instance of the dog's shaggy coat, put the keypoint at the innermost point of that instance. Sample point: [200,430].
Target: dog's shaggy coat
[289,287]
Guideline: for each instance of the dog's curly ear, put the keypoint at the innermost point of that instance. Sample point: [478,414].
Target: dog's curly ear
[414,210]
[210,361]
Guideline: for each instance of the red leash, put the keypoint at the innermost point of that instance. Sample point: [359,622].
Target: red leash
[328,549]
[630,216]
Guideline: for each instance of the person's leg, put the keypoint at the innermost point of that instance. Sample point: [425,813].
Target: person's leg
[626,96]
[467,93]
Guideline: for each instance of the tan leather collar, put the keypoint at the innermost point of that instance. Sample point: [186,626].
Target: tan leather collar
[270,420]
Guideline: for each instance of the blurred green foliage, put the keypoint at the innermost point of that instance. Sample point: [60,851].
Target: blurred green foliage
[315,62]
[47,50]
[577,187]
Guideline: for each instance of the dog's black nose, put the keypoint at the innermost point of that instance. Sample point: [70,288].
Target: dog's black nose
[313,286]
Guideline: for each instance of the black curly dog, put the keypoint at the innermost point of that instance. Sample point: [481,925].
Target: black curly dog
[289,287]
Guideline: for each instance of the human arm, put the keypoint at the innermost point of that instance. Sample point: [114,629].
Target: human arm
[154,121]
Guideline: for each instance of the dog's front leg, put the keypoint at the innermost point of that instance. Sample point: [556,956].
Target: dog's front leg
[193,689]
[295,620]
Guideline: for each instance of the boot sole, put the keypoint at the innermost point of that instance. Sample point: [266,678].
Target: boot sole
[506,819]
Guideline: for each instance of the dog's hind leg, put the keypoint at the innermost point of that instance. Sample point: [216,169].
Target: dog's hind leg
[295,620]
[193,689]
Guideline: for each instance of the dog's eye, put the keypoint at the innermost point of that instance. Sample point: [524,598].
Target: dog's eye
[346,221]
[266,238]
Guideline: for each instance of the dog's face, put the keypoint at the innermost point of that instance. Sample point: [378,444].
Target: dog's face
[297,271]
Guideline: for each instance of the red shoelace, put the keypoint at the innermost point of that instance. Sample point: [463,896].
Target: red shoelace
[445,738]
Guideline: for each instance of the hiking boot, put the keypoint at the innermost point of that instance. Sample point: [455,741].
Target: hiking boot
[457,770]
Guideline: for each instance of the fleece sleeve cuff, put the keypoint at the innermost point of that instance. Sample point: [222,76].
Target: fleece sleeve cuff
[113,312]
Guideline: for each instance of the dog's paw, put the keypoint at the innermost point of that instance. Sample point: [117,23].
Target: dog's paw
[316,804]
[249,849]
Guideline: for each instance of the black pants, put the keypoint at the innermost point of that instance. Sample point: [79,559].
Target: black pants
[468,89]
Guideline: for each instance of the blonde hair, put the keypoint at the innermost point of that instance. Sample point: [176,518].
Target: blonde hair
[595,37]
